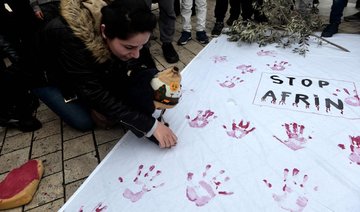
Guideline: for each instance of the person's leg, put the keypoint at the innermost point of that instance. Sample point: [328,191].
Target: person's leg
[247,9]
[258,15]
[73,113]
[167,20]
[18,104]
[336,13]
[221,7]
[201,9]
[234,11]
[186,6]
[186,11]
[177,7]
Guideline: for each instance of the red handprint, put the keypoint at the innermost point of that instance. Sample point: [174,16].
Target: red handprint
[230,83]
[293,196]
[240,130]
[354,148]
[245,68]
[98,208]
[143,181]
[219,59]
[295,139]
[209,188]
[279,66]
[201,120]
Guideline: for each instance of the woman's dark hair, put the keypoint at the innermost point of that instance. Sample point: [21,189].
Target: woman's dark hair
[123,18]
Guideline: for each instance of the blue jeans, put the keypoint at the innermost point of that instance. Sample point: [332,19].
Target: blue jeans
[72,113]
[337,9]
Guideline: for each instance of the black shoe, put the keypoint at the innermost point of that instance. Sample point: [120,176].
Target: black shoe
[230,21]
[330,30]
[216,31]
[202,37]
[28,124]
[352,18]
[260,18]
[171,56]
[184,38]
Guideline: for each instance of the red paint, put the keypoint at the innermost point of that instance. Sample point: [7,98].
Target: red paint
[295,171]
[189,176]
[267,183]
[225,193]
[342,146]
[18,179]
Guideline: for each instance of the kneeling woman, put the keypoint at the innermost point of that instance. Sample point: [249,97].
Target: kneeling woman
[88,52]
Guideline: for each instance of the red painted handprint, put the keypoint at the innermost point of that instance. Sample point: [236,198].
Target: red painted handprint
[279,66]
[98,208]
[143,181]
[293,196]
[245,68]
[266,53]
[230,83]
[219,59]
[354,148]
[239,130]
[202,119]
[295,139]
[350,99]
[208,188]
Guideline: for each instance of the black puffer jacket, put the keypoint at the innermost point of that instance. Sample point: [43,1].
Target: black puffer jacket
[78,61]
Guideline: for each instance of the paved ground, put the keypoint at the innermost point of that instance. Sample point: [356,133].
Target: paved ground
[70,156]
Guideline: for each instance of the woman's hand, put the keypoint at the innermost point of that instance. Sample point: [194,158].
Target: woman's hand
[39,15]
[165,136]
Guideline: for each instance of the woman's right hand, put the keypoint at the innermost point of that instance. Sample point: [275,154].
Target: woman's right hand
[165,136]
[39,15]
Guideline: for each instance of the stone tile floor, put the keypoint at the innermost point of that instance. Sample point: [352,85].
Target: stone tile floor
[70,156]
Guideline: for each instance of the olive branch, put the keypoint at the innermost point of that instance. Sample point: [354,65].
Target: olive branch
[289,23]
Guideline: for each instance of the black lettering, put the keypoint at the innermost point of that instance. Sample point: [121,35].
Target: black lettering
[276,80]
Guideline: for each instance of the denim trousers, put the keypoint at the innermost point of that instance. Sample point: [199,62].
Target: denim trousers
[74,113]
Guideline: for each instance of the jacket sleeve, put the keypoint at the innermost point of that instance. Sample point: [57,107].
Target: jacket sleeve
[78,64]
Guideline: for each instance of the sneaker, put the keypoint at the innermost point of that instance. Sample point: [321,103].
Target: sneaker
[330,30]
[27,124]
[230,21]
[352,18]
[202,37]
[217,29]
[170,55]
[184,38]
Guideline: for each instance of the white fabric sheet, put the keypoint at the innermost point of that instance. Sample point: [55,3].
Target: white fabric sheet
[260,129]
